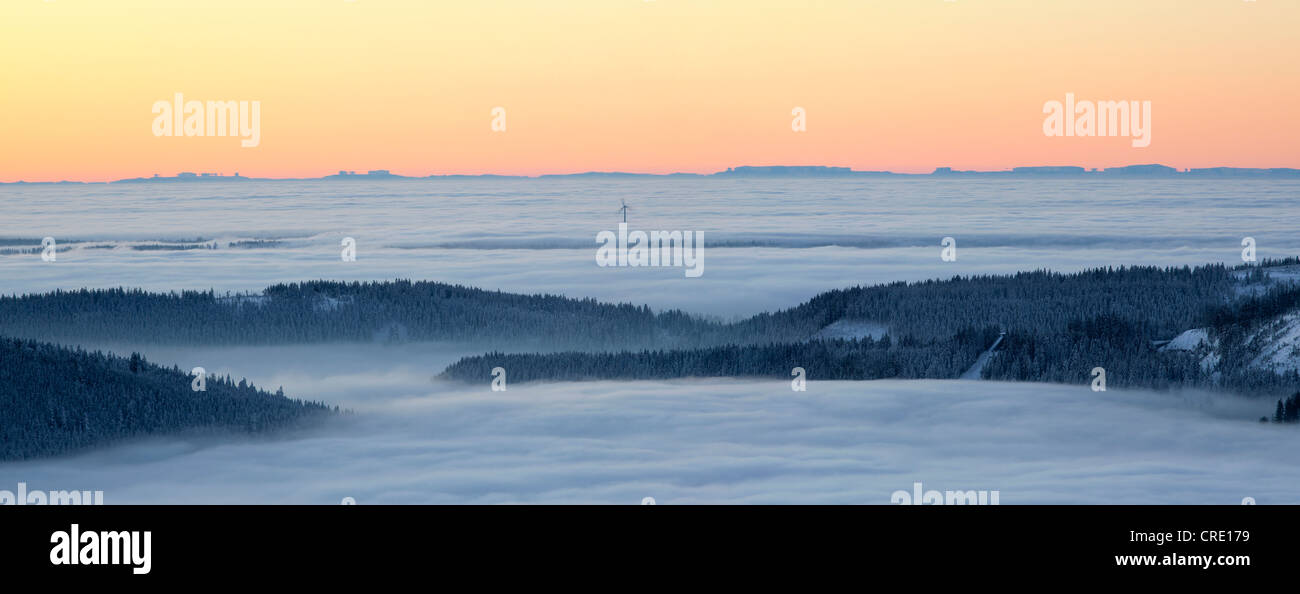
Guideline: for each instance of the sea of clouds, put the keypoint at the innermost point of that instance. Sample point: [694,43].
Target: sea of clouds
[770,243]
[415,439]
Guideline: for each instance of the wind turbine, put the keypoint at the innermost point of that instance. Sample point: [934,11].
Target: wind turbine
[624,210]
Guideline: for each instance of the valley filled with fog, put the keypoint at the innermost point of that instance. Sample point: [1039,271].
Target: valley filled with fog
[412,439]
[408,436]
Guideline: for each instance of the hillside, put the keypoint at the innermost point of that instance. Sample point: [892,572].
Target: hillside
[1164,301]
[57,400]
[1058,328]
[326,311]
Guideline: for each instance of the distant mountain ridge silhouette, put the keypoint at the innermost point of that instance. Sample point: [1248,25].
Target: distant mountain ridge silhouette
[744,171]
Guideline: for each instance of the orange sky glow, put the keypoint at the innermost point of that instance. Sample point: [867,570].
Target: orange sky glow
[646,86]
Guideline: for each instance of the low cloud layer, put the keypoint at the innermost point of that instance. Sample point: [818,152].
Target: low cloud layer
[808,236]
[690,441]
[715,441]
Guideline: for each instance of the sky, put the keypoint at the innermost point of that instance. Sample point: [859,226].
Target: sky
[634,85]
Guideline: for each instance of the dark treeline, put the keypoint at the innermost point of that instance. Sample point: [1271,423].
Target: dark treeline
[821,359]
[1059,328]
[1241,328]
[1119,345]
[56,400]
[1122,348]
[1288,410]
[322,311]
[1122,344]
[1246,312]
[1166,300]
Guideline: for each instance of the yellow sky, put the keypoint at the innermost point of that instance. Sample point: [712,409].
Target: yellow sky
[634,85]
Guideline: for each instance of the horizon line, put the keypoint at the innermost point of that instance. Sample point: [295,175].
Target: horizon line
[739,171]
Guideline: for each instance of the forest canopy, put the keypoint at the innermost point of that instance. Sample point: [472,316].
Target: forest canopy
[57,400]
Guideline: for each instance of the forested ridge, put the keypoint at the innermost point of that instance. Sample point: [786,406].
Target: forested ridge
[1164,300]
[56,400]
[854,359]
[1059,327]
[327,311]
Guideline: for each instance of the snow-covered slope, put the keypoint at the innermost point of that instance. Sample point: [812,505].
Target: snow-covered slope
[1189,340]
[1277,344]
[1274,345]
[1198,340]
